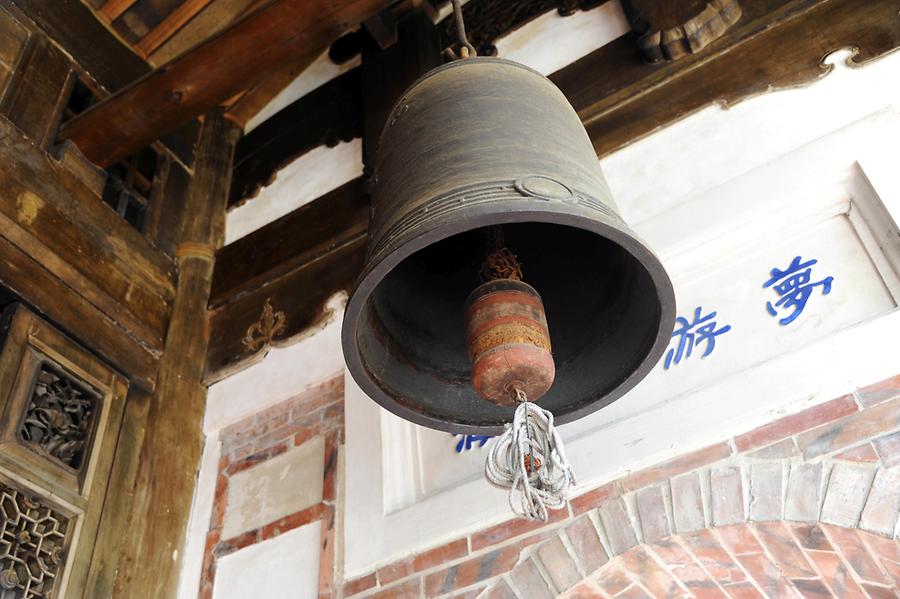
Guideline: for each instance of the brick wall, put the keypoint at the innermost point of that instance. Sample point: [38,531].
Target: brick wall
[832,471]
[301,438]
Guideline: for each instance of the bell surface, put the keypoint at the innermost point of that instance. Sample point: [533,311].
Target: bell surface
[473,144]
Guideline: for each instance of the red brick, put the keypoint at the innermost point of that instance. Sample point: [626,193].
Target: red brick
[781,450]
[411,589]
[585,590]
[851,430]
[513,528]
[643,567]
[811,536]
[500,590]
[679,465]
[877,592]
[743,590]
[848,487]
[812,588]
[879,392]
[854,553]
[612,579]
[586,544]
[295,520]
[727,496]
[863,454]
[796,423]
[619,533]
[528,580]
[739,539]
[893,570]
[440,555]
[802,504]
[671,553]
[468,594]
[781,545]
[883,503]
[687,503]
[472,571]
[358,585]
[713,557]
[697,581]
[880,546]
[654,519]
[326,556]
[558,564]
[767,576]
[633,592]
[888,449]
[594,498]
[766,480]
[836,575]
[394,571]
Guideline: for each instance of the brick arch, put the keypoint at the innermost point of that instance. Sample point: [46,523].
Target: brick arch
[764,524]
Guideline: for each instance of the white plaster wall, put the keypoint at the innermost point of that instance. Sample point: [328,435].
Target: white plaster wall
[286,566]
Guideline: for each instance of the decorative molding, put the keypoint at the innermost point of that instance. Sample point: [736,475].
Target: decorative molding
[691,36]
[262,332]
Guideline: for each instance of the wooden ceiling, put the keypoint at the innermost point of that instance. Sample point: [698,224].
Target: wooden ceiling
[160,30]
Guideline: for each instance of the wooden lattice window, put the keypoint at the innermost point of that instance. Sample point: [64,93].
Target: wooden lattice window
[129,186]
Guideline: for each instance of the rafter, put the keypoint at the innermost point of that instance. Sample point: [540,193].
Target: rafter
[219,68]
[175,20]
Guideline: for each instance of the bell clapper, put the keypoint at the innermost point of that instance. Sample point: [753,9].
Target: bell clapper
[512,365]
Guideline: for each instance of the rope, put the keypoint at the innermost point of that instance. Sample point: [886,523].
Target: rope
[529,460]
[499,261]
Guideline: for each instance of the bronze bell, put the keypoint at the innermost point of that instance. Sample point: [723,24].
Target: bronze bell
[473,145]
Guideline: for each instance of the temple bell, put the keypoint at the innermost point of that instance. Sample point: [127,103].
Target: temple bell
[497,261]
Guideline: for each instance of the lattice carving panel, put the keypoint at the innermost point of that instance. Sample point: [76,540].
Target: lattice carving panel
[33,541]
[59,419]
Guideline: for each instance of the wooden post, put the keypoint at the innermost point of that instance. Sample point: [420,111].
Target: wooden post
[174,438]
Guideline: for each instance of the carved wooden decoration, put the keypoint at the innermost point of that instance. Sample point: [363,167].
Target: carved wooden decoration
[60,414]
[671,30]
[262,332]
[34,539]
[60,417]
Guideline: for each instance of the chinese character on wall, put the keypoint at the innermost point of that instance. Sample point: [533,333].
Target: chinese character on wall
[468,441]
[794,289]
[702,329]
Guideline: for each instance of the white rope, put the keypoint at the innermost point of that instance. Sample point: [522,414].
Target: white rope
[530,439]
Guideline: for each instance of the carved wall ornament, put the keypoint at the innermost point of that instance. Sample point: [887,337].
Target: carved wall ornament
[60,416]
[262,332]
[33,544]
[688,37]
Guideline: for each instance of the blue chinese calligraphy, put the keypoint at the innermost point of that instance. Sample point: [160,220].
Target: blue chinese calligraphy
[702,329]
[794,288]
[468,441]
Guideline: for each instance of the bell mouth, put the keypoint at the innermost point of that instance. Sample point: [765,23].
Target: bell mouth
[609,305]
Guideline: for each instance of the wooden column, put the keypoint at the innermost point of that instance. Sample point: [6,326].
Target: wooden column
[174,439]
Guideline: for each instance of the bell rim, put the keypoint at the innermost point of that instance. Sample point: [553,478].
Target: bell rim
[508,212]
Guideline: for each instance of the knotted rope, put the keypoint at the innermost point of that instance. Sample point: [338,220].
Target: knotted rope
[529,460]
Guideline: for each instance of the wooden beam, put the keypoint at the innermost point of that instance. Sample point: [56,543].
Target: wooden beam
[175,20]
[295,263]
[113,9]
[219,68]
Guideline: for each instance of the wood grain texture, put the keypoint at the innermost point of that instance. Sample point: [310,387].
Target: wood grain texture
[73,25]
[172,23]
[172,446]
[188,86]
[52,216]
